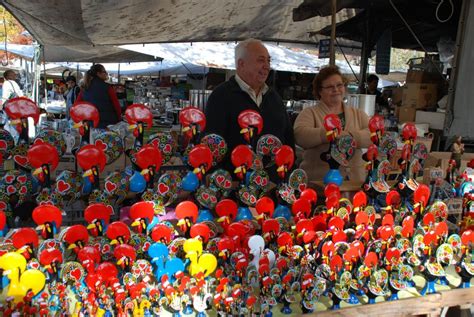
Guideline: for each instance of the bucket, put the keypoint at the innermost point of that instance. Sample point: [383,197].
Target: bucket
[365,103]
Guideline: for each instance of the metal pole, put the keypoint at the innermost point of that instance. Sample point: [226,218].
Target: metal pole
[118,75]
[332,52]
[45,81]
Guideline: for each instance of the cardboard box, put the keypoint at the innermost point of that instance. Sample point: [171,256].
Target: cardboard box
[397,95]
[420,95]
[406,114]
[431,174]
[438,159]
[422,77]
[435,119]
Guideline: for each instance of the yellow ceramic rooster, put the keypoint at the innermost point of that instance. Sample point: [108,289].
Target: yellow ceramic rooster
[204,263]
[21,281]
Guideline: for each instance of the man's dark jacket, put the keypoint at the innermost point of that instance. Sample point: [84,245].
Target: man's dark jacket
[228,100]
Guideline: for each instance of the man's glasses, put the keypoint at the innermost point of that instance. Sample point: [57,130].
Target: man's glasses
[334,87]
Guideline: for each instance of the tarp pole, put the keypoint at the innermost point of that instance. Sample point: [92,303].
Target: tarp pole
[45,81]
[332,52]
[118,75]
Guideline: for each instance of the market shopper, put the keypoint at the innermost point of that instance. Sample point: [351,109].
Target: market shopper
[247,90]
[95,90]
[10,88]
[329,86]
[371,89]
[72,93]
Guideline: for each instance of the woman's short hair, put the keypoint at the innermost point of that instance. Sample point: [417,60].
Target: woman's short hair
[325,73]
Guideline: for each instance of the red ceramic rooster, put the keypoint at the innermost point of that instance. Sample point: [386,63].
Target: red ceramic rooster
[49,219]
[142,214]
[284,159]
[149,160]
[265,208]
[193,122]
[200,158]
[25,240]
[92,160]
[118,233]
[51,259]
[162,233]
[76,237]
[242,158]
[226,210]
[125,256]
[85,116]
[137,115]
[251,124]
[18,110]
[376,128]
[98,218]
[187,213]
[270,229]
[44,158]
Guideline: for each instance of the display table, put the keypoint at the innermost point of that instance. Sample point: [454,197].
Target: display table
[429,305]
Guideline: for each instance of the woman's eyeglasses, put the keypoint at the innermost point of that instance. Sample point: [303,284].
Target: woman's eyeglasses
[334,87]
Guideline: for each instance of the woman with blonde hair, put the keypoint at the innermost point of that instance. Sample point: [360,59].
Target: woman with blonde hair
[95,90]
[329,87]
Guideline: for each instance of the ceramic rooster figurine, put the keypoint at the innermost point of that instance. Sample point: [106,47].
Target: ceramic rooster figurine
[242,159]
[92,160]
[193,123]
[19,110]
[137,115]
[98,218]
[186,213]
[48,218]
[85,117]
[341,149]
[149,160]
[251,125]
[284,159]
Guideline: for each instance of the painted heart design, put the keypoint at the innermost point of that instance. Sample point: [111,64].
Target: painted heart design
[21,160]
[155,143]
[22,179]
[258,180]
[220,179]
[51,244]
[264,182]
[101,144]
[105,249]
[285,194]
[23,190]
[301,187]
[270,141]
[265,150]
[76,274]
[253,200]
[293,197]
[246,195]
[3,145]
[142,266]
[167,148]
[205,196]
[34,265]
[110,187]
[62,186]
[227,184]
[213,199]
[163,188]
[145,247]
[11,189]
[9,179]
[136,272]
[3,205]
[38,141]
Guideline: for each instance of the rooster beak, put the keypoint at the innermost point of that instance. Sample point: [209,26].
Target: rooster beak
[40,227]
[281,168]
[37,171]
[280,249]
[197,170]
[239,169]
[72,246]
[47,266]
[77,125]
[181,222]
[185,129]
[244,130]
[222,219]
[87,173]
[132,126]
[120,261]
[114,242]
[222,253]
[91,225]
[136,223]
[145,171]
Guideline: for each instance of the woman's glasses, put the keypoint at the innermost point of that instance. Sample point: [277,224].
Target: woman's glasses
[334,87]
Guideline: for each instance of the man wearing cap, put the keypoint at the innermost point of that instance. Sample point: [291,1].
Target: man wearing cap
[71,94]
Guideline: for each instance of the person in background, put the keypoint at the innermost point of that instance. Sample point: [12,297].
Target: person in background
[329,86]
[10,88]
[371,89]
[457,150]
[54,93]
[95,90]
[247,90]
[71,94]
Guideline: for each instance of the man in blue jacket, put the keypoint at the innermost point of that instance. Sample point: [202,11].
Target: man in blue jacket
[248,90]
